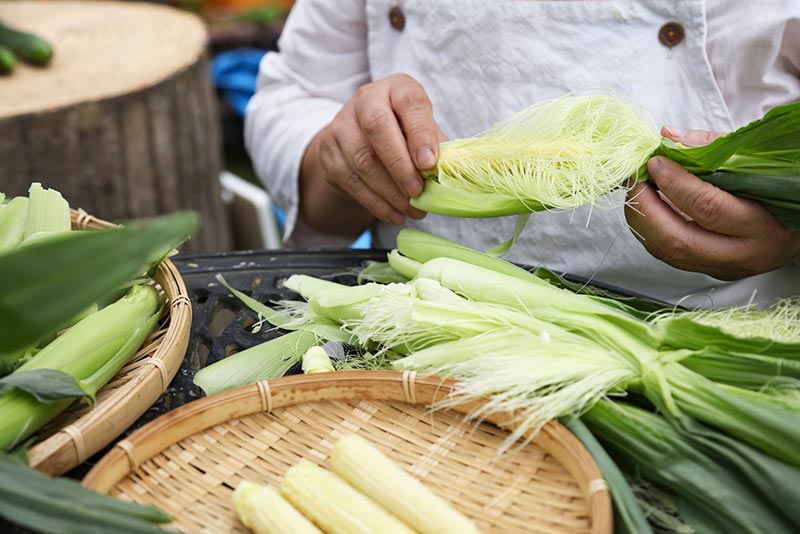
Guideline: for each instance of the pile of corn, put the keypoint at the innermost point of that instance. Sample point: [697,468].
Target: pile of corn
[366,493]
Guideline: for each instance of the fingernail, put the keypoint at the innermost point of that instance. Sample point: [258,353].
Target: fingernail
[426,159]
[654,165]
[676,133]
[412,186]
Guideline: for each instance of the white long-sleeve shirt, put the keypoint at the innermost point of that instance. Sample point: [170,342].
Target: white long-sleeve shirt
[483,60]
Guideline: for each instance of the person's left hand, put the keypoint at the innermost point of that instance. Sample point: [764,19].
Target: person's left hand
[695,226]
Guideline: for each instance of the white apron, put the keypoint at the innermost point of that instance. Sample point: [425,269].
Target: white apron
[502,55]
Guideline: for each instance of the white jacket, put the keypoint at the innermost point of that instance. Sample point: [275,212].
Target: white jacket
[483,60]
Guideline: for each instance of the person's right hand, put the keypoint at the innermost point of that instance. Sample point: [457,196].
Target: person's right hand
[372,151]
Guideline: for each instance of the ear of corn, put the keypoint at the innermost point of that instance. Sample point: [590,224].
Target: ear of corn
[13,217]
[270,359]
[91,352]
[48,214]
[316,360]
[264,511]
[334,505]
[97,262]
[362,465]
[561,154]
[571,151]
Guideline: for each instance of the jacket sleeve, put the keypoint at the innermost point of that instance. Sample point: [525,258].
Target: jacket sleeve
[322,60]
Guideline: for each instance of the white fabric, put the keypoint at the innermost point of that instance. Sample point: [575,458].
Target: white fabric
[483,60]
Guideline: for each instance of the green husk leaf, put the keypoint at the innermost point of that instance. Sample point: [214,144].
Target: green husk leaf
[406,268]
[760,161]
[647,445]
[767,145]
[769,477]
[752,371]
[381,272]
[13,218]
[267,360]
[454,202]
[48,213]
[628,514]
[59,505]
[264,312]
[755,418]
[774,331]
[97,262]
[46,385]
[519,226]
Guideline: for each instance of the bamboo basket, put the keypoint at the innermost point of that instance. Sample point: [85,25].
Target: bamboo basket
[188,461]
[81,431]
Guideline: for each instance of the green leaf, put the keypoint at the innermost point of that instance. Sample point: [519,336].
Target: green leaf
[60,505]
[46,385]
[760,161]
[264,312]
[45,284]
[629,515]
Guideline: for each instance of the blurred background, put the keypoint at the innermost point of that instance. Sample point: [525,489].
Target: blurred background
[141,112]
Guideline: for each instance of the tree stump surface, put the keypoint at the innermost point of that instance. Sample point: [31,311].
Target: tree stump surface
[123,121]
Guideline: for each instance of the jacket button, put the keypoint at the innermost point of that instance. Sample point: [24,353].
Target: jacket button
[671,34]
[397,19]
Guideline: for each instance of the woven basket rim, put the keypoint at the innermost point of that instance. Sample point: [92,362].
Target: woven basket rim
[199,416]
[82,436]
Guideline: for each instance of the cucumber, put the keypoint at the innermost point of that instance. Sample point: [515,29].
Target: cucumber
[7,60]
[29,47]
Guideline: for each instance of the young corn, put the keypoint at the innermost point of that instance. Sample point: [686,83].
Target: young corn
[334,505]
[92,351]
[264,511]
[368,470]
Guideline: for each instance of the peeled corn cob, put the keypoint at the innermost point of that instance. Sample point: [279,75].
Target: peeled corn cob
[334,505]
[264,511]
[372,473]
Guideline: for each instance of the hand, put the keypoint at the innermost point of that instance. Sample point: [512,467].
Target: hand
[695,226]
[371,152]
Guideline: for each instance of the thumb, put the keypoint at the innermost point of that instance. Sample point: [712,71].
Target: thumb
[690,138]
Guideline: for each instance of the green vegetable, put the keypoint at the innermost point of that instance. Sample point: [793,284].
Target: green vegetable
[573,150]
[13,220]
[7,60]
[538,349]
[62,506]
[76,364]
[29,47]
[270,359]
[558,154]
[38,282]
[728,486]
[628,515]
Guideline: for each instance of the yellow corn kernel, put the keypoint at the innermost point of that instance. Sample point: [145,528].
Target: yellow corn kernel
[264,511]
[334,505]
[372,473]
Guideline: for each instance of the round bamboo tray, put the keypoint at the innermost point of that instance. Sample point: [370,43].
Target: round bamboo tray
[81,431]
[188,461]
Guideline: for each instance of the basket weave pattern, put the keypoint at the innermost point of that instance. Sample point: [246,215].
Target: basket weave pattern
[189,461]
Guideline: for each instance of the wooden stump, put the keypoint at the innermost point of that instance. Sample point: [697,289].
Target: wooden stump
[123,121]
